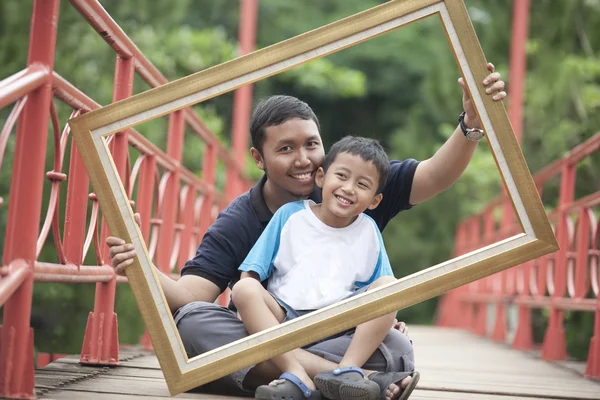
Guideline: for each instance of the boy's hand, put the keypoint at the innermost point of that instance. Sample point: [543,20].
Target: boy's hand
[121,254]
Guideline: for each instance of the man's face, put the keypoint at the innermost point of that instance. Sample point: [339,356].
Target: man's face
[291,154]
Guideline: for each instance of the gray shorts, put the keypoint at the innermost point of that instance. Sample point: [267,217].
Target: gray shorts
[207,326]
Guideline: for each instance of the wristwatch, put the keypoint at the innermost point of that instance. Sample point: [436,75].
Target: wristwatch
[472,134]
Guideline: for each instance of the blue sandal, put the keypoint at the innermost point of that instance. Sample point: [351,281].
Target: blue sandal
[288,387]
[346,383]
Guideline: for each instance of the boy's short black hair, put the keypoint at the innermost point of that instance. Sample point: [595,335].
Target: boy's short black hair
[276,110]
[365,148]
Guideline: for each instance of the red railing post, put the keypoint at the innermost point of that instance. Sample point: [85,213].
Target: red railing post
[24,208]
[242,103]
[170,195]
[555,346]
[76,208]
[101,341]
[592,369]
[145,195]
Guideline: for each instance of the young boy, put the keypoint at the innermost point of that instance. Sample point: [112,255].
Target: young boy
[315,255]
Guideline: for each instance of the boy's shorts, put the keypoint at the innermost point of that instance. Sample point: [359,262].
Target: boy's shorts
[291,313]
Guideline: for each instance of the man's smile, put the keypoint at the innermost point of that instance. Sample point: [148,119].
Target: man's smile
[303,176]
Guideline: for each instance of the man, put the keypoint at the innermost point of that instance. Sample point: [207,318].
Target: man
[287,146]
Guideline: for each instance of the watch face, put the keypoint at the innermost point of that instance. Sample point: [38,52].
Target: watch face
[474,134]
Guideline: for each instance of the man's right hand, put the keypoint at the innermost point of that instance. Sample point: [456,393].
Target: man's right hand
[121,254]
[177,292]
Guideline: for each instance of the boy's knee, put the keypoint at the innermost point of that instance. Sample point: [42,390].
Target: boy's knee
[244,289]
[384,280]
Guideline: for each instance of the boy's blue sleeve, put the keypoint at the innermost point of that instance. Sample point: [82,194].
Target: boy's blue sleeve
[262,255]
[382,268]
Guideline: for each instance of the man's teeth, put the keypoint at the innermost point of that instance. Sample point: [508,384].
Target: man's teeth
[343,200]
[302,176]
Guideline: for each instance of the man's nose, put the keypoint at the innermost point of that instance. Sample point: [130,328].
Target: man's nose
[302,159]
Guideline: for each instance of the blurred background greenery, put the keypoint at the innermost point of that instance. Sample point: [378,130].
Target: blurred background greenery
[400,88]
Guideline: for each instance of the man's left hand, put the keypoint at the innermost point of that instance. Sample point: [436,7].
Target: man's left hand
[494,87]
[401,326]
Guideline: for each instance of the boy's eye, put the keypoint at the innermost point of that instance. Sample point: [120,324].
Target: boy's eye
[340,175]
[363,185]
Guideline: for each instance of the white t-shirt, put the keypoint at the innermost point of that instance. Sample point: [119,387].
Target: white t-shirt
[311,265]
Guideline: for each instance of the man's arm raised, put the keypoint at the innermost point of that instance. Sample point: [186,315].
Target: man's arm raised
[441,171]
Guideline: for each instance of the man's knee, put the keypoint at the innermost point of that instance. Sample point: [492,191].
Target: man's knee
[244,289]
[207,326]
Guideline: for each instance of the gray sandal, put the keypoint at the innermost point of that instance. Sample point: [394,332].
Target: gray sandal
[346,383]
[287,387]
[384,379]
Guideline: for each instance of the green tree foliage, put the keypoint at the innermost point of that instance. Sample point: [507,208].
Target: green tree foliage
[400,87]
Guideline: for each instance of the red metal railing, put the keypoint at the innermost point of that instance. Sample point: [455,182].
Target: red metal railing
[568,280]
[176,206]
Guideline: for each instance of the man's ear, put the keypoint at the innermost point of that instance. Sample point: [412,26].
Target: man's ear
[320,177]
[258,159]
[375,202]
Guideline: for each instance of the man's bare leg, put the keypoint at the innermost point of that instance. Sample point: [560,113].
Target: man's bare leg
[260,311]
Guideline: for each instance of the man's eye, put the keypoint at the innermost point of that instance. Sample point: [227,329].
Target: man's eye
[286,148]
[313,144]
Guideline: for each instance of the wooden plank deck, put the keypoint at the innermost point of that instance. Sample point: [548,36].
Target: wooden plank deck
[454,365]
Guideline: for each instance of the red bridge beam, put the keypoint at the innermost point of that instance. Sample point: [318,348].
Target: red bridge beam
[18,85]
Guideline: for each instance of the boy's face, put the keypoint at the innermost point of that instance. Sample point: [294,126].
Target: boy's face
[291,154]
[349,186]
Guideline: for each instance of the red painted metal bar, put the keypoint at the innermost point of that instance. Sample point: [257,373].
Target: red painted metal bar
[16,346]
[18,85]
[170,193]
[72,273]
[242,101]
[16,273]
[101,344]
[518,64]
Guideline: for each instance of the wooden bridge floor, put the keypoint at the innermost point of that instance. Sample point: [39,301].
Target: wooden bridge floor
[454,365]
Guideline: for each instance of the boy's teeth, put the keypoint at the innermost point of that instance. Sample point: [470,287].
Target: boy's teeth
[343,200]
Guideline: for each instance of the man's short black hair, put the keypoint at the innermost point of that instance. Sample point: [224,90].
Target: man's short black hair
[365,148]
[276,110]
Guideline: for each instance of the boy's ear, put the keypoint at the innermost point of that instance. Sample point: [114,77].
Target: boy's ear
[375,202]
[320,177]
[258,160]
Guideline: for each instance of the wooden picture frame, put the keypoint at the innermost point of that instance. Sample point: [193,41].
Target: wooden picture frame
[181,374]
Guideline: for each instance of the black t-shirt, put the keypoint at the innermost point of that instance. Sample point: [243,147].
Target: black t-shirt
[230,238]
